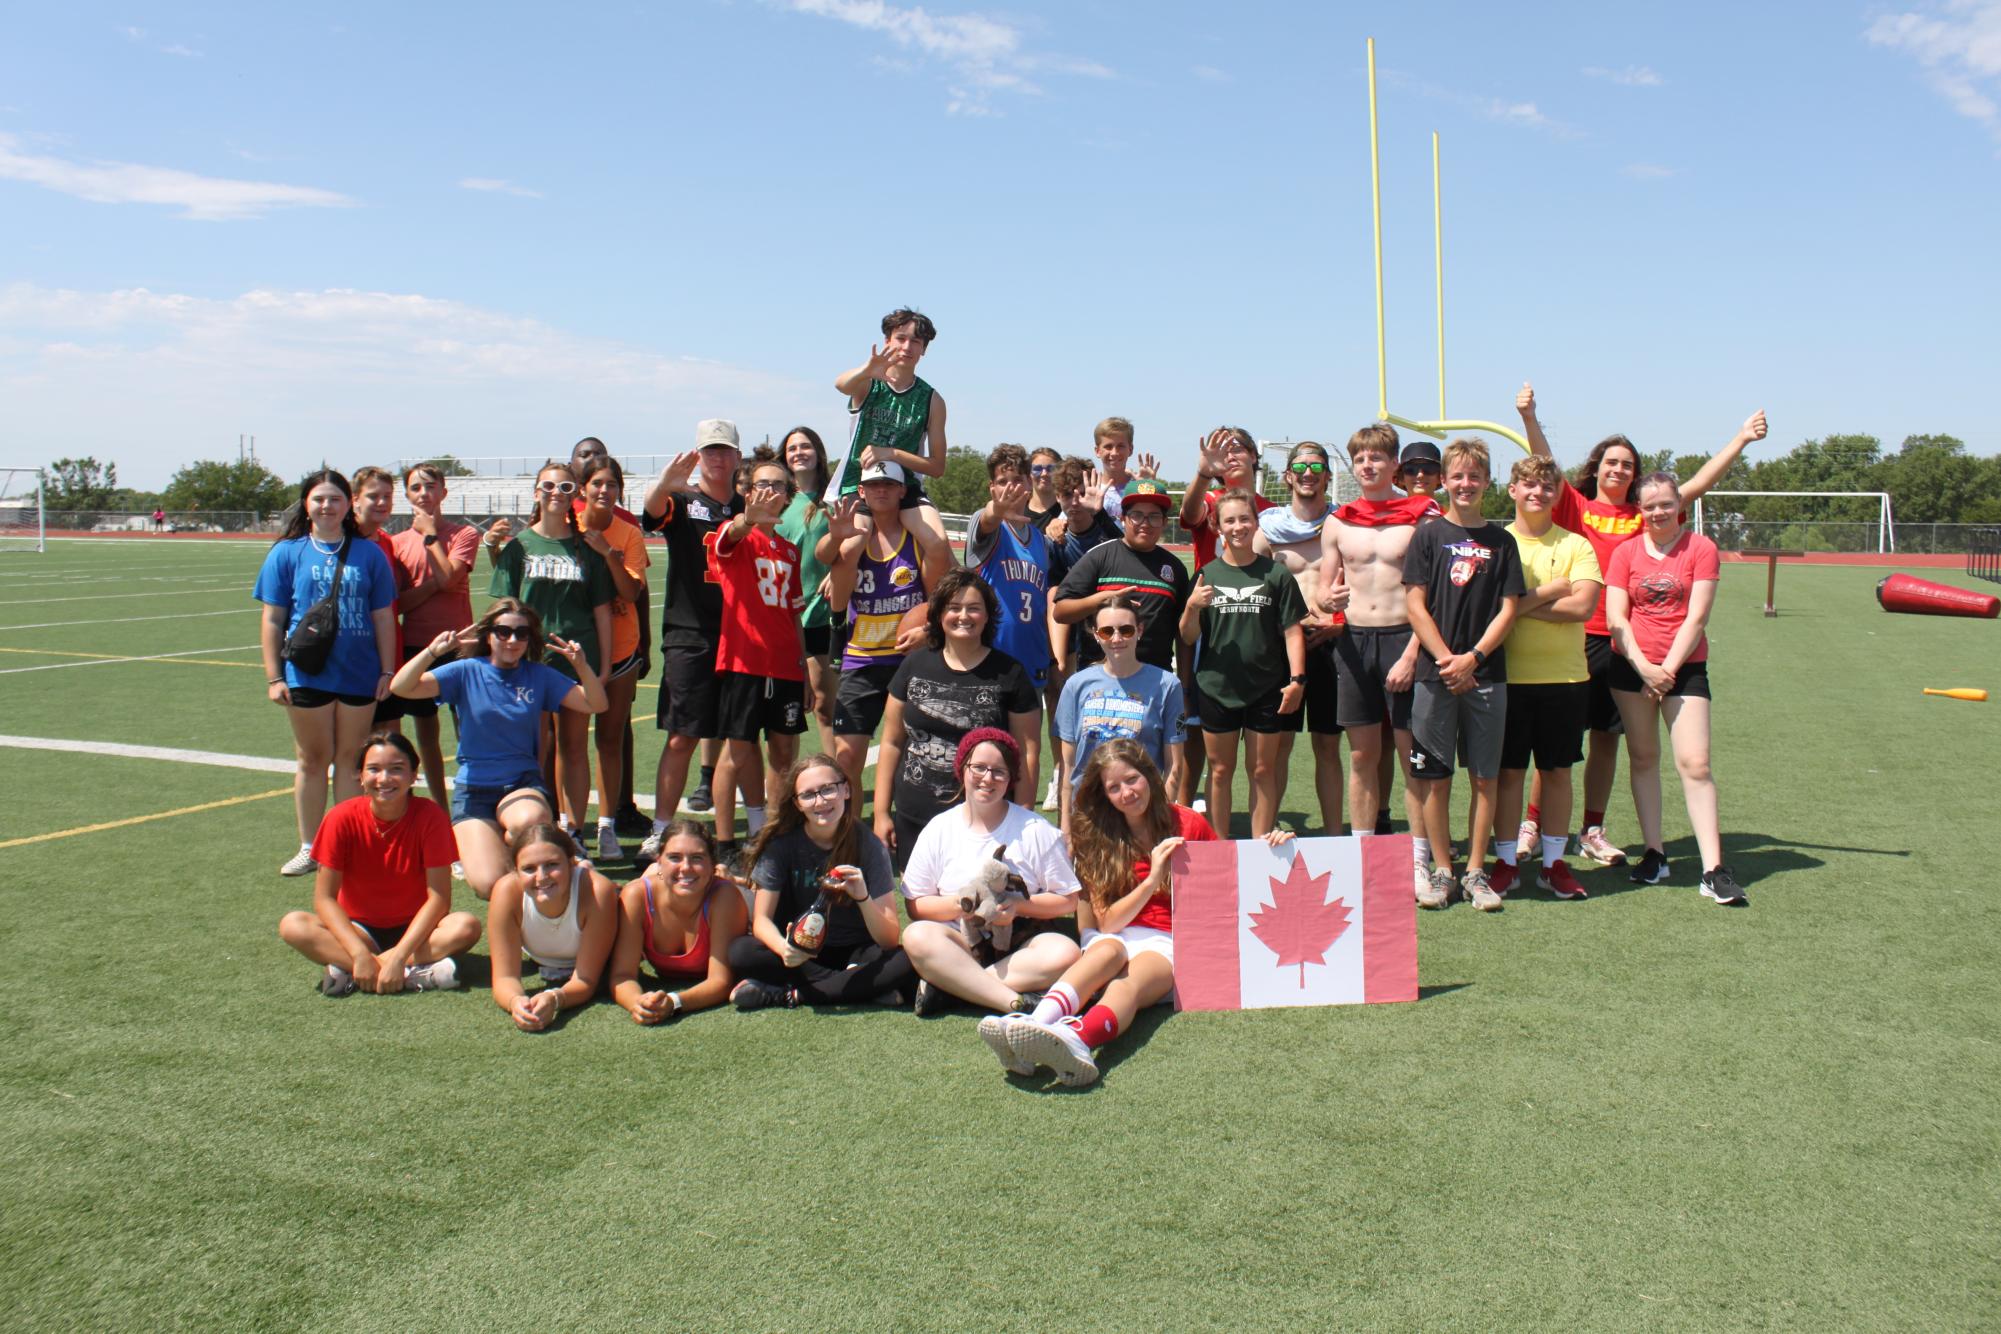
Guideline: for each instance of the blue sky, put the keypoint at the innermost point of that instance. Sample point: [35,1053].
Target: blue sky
[368,231]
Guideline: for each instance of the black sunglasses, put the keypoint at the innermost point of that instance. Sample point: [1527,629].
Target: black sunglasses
[520,632]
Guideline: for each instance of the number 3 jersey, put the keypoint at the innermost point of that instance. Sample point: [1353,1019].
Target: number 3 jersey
[1015,563]
[759,579]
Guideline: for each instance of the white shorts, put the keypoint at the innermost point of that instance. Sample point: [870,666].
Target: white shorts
[1136,940]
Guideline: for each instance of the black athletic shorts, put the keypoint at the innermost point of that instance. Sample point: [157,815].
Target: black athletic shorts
[625,667]
[1692,680]
[1601,711]
[819,639]
[305,697]
[862,696]
[1260,715]
[1323,690]
[688,691]
[385,938]
[753,706]
[1363,657]
[1546,724]
[913,492]
[396,706]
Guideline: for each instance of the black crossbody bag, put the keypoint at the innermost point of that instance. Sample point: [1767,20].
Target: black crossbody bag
[311,642]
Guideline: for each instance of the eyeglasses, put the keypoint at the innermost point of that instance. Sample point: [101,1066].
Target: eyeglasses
[1111,632]
[556,488]
[1305,469]
[1151,514]
[1041,469]
[766,484]
[520,632]
[819,794]
[986,771]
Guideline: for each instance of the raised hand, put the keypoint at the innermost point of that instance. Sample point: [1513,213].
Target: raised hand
[499,534]
[1146,465]
[568,649]
[1202,595]
[1525,401]
[1210,454]
[677,474]
[841,522]
[1094,488]
[1009,494]
[1754,427]
[878,361]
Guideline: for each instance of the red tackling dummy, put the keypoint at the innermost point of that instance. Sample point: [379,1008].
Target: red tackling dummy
[1903,592]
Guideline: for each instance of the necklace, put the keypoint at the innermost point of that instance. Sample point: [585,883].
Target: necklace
[321,547]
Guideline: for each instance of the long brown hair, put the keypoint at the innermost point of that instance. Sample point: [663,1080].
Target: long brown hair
[569,510]
[1586,477]
[1104,844]
[783,814]
[498,608]
[821,472]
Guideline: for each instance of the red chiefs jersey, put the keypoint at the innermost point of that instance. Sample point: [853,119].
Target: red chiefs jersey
[762,598]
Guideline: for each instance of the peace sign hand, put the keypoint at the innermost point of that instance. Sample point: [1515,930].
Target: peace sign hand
[570,651]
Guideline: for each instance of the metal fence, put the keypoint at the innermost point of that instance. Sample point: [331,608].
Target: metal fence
[1983,554]
[1733,532]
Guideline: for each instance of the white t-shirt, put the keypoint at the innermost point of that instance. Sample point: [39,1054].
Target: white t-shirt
[949,852]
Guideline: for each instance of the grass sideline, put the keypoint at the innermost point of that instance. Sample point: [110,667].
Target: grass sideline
[1637,1110]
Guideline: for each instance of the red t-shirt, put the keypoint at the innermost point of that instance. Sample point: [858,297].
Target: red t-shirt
[1660,590]
[762,598]
[1158,911]
[450,608]
[1209,533]
[387,547]
[1605,526]
[382,873]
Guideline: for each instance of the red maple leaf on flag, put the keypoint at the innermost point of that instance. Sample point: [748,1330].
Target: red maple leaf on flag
[1299,926]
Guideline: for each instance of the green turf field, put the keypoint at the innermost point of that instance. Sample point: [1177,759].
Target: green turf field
[1638,1111]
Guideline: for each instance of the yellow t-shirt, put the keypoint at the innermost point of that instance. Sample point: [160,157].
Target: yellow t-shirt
[1550,652]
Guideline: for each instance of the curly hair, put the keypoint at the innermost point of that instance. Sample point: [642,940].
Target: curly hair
[1105,846]
[954,582]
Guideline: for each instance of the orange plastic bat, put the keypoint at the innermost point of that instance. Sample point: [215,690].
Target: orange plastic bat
[1959,692]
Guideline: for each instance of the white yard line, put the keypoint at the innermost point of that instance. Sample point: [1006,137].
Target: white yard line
[112,662]
[127,620]
[107,597]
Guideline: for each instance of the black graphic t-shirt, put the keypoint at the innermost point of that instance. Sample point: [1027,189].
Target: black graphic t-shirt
[1464,573]
[1157,580]
[940,706]
[691,615]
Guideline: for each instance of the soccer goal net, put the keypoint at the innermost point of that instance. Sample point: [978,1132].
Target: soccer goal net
[1798,520]
[22,523]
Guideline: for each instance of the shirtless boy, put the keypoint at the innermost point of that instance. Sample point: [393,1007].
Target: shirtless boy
[1290,535]
[1361,569]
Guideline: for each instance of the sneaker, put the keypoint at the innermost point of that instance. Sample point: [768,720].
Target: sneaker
[1201,806]
[1501,877]
[751,994]
[338,982]
[608,845]
[1383,823]
[1592,845]
[1528,841]
[1720,885]
[1652,868]
[649,851]
[302,863]
[930,999]
[1422,875]
[993,1032]
[440,976]
[1479,891]
[1557,879]
[699,802]
[631,822]
[1050,800]
[1056,1046]
[1438,887]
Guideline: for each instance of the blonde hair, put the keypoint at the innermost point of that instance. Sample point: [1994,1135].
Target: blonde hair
[1466,448]
[1111,426]
[1535,468]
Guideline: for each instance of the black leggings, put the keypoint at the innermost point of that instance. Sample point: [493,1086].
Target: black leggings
[836,977]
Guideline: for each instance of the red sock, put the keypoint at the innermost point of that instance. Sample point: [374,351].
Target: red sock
[1594,819]
[1098,1026]
[1535,815]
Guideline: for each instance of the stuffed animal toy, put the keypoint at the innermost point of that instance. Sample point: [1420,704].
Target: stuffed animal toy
[992,889]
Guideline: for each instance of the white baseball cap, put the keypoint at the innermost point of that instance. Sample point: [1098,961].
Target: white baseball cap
[886,471]
[716,433]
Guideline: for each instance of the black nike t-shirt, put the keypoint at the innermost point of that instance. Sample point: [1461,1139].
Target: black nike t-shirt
[691,615]
[1464,573]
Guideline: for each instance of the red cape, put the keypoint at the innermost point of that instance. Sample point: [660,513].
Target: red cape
[1387,513]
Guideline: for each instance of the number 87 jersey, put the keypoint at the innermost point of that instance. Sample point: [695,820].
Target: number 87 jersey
[762,599]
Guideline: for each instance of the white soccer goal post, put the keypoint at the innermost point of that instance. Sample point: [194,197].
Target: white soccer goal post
[23,522]
[1804,529]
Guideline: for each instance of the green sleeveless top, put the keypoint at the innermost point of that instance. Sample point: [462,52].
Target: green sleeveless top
[887,419]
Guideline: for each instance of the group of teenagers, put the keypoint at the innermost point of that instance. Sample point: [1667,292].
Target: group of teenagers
[796,598]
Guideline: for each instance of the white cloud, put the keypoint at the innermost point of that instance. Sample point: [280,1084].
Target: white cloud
[1209,74]
[981,56]
[206,198]
[133,34]
[1517,113]
[494,185]
[338,373]
[1958,45]
[176,49]
[1633,76]
[1507,111]
[1648,171]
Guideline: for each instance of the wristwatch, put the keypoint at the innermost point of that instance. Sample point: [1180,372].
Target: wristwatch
[430,539]
[1300,679]
[1479,658]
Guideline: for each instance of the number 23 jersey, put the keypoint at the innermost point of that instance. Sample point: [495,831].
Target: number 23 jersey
[759,579]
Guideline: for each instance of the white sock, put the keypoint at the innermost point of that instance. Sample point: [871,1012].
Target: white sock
[1060,1002]
[1420,851]
[604,822]
[754,817]
[306,848]
[1552,848]
[659,826]
[1505,850]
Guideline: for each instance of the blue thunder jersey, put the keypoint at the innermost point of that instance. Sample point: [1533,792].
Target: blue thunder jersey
[1017,569]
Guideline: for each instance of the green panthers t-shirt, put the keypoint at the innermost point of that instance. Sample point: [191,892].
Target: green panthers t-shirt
[564,581]
[889,420]
[1243,630]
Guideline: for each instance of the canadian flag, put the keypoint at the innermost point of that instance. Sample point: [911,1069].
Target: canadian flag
[1317,921]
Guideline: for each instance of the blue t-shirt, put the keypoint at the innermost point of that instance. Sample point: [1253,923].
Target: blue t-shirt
[1016,566]
[1097,707]
[297,575]
[500,716]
